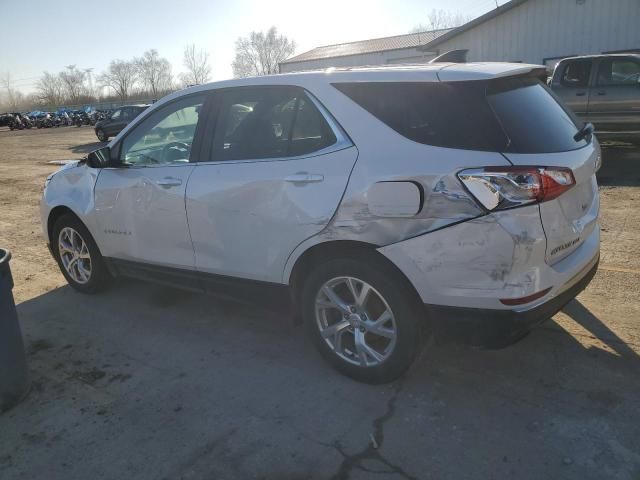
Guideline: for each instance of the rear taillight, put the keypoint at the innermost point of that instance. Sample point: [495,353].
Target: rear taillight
[497,188]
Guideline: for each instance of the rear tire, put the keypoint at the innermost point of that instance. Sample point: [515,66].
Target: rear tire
[78,256]
[353,337]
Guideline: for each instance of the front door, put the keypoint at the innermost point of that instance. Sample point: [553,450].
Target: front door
[140,206]
[615,100]
[274,176]
[572,85]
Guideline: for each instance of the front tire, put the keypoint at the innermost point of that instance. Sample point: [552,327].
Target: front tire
[363,317]
[78,255]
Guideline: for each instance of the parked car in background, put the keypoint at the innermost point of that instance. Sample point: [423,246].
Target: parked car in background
[5,119]
[386,204]
[120,118]
[603,90]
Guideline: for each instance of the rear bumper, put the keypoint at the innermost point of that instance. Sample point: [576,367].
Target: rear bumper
[498,328]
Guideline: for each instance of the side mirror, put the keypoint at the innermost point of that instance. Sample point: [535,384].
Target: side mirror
[100,158]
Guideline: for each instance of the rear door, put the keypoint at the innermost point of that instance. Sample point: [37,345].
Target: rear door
[615,102]
[276,169]
[571,84]
[541,133]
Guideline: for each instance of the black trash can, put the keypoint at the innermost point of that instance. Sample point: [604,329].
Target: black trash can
[14,375]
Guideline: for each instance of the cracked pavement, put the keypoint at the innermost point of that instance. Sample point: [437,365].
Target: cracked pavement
[147,383]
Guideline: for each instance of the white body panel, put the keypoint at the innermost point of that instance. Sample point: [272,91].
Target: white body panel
[246,217]
[70,187]
[571,218]
[476,263]
[139,219]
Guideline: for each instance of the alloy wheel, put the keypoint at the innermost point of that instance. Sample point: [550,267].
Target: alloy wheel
[355,321]
[74,255]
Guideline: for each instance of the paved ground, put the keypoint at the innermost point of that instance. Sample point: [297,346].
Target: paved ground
[147,383]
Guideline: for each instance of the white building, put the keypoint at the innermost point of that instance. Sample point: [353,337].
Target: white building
[530,31]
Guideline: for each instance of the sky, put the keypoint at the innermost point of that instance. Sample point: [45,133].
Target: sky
[47,35]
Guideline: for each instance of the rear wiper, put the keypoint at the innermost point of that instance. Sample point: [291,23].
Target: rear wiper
[586,131]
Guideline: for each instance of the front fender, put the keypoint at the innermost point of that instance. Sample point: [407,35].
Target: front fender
[71,187]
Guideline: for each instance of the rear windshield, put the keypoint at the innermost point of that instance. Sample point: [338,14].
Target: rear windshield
[516,115]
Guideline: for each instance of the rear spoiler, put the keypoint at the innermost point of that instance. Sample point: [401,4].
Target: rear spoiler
[456,72]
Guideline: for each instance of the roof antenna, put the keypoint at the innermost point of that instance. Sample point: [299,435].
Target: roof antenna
[497,6]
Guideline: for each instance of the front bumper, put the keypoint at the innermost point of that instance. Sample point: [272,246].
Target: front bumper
[499,328]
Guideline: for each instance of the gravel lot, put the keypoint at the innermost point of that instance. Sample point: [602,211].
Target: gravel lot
[147,383]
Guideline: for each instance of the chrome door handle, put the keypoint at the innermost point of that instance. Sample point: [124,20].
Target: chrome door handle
[304,177]
[168,182]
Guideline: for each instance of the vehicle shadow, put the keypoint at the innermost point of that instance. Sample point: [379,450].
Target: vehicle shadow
[620,165]
[599,330]
[88,147]
[240,385]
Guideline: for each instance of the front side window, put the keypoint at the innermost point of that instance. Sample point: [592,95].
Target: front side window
[166,136]
[613,71]
[268,122]
[576,74]
[116,115]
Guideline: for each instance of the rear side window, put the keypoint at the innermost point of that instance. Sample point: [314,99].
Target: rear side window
[518,115]
[618,71]
[454,115]
[268,122]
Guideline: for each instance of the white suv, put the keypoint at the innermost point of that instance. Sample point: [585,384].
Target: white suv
[386,204]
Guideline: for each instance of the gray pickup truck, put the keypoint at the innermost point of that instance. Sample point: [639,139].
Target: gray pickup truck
[603,90]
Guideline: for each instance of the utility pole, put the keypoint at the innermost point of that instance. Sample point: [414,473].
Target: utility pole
[88,72]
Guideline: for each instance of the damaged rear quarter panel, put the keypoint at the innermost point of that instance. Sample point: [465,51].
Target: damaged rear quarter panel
[469,262]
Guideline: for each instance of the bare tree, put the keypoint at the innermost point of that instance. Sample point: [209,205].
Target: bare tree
[13,96]
[260,53]
[154,72]
[50,89]
[197,64]
[121,77]
[73,82]
[439,19]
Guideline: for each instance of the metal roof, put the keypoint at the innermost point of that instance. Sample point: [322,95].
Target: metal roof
[410,40]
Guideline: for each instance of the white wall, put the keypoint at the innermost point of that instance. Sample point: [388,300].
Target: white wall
[530,32]
[540,29]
